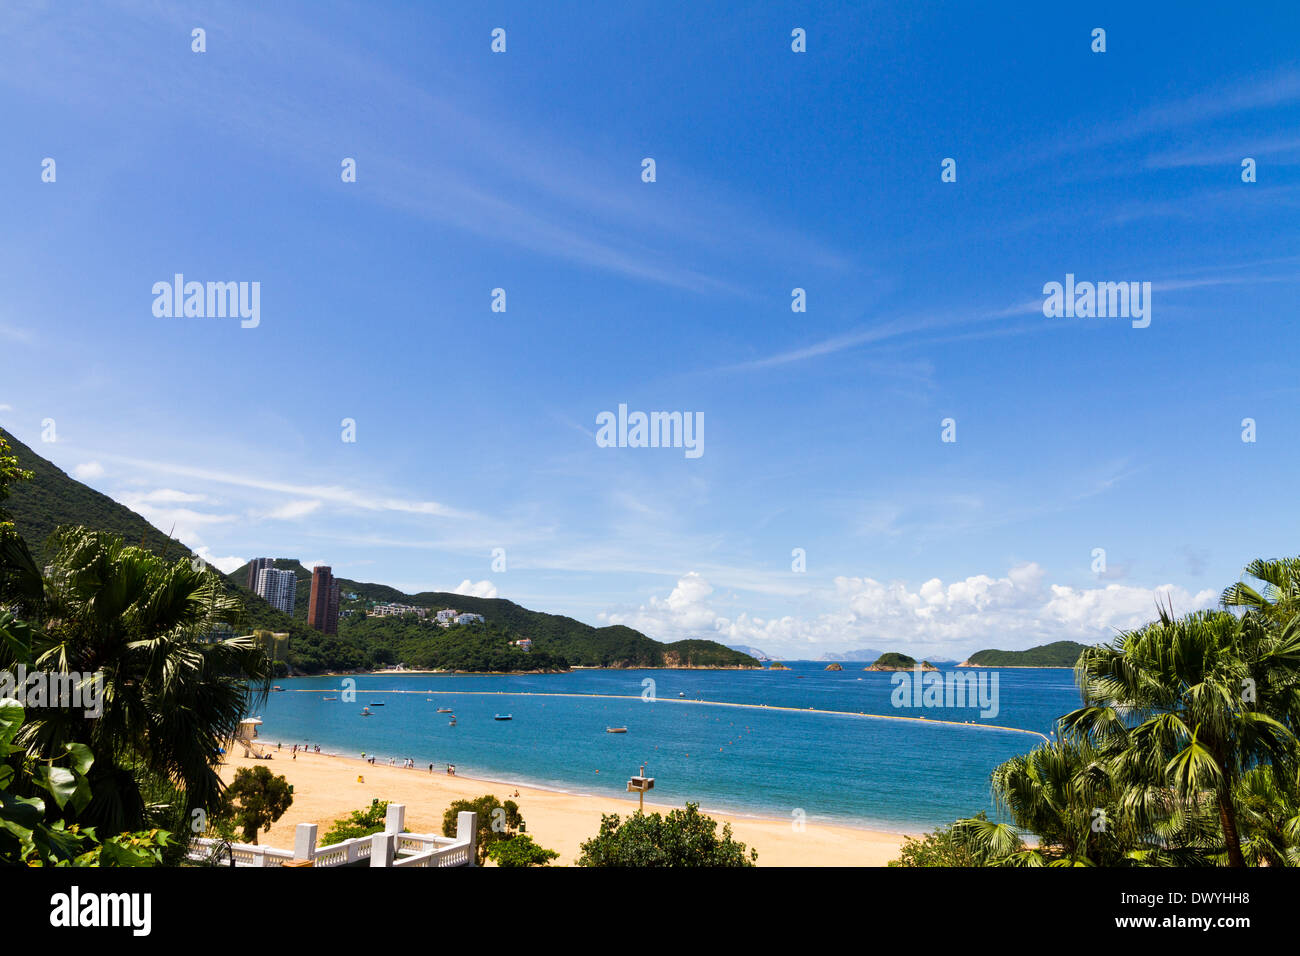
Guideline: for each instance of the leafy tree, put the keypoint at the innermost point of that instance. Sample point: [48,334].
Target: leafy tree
[171,697]
[9,473]
[944,846]
[358,823]
[27,835]
[497,821]
[255,799]
[520,850]
[1182,708]
[683,838]
[1275,593]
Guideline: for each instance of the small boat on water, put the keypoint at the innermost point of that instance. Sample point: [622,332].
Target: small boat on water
[681,693]
[615,730]
[503,717]
[444,710]
[331,698]
[365,712]
[452,722]
[376,703]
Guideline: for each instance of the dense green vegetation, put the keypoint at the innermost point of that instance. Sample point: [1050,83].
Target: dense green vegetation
[132,737]
[255,799]
[497,821]
[357,824]
[1184,752]
[1057,654]
[683,838]
[892,660]
[558,641]
[520,850]
[53,499]
[471,647]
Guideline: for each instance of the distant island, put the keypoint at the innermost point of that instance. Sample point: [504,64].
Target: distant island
[893,661]
[1058,654]
[834,667]
[863,654]
[778,666]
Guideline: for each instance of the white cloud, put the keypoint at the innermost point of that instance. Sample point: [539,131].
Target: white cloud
[346,497]
[86,470]
[483,589]
[294,509]
[1013,611]
[225,565]
[168,496]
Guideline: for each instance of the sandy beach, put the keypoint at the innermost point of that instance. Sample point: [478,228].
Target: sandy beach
[329,787]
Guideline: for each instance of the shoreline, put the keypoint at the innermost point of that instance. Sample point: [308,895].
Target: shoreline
[329,786]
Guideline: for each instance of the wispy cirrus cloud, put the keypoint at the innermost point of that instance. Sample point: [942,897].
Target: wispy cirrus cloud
[353,498]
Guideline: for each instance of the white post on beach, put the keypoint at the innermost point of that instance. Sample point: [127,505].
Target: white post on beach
[467,830]
[304,841]
[395,818]
[381,849]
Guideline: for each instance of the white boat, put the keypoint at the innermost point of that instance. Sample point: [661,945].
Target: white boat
[503,717]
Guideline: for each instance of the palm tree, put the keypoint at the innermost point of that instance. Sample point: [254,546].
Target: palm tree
[1182,709]
[1276,595]
[170,695]
[1062,792]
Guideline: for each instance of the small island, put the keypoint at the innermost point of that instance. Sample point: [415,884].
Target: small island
[834,667]
[778,666]
[1058,654]
[898,662]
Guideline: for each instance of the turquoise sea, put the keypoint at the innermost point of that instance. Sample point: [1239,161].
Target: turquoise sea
[884,774]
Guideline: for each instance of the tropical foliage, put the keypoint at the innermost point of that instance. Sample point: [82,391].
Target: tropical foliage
[357,824]
[255,799]
[497,821]
[1183,753]
[520,850]
[682,838]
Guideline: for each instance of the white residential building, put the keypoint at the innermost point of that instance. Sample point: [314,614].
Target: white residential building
[279,588]
[446,617]
[470,619]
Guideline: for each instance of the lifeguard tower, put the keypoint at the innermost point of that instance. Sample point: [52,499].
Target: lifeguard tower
[246,735]
[639,785]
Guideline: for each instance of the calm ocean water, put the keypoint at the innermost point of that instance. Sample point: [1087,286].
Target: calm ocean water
[886,774]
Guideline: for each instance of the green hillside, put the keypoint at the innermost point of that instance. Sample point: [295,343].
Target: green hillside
[552,634]
[53,498]
[1058,654]
[894,661]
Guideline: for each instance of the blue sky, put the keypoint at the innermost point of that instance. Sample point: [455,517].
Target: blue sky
[775,170]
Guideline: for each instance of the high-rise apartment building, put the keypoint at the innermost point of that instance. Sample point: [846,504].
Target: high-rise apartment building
[279,588]
[323,608]
[254,567]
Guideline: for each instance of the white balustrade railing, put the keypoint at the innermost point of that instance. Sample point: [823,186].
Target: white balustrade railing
[399,848]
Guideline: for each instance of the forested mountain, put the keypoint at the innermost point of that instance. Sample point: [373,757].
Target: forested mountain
[1057,654]
[53,498]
